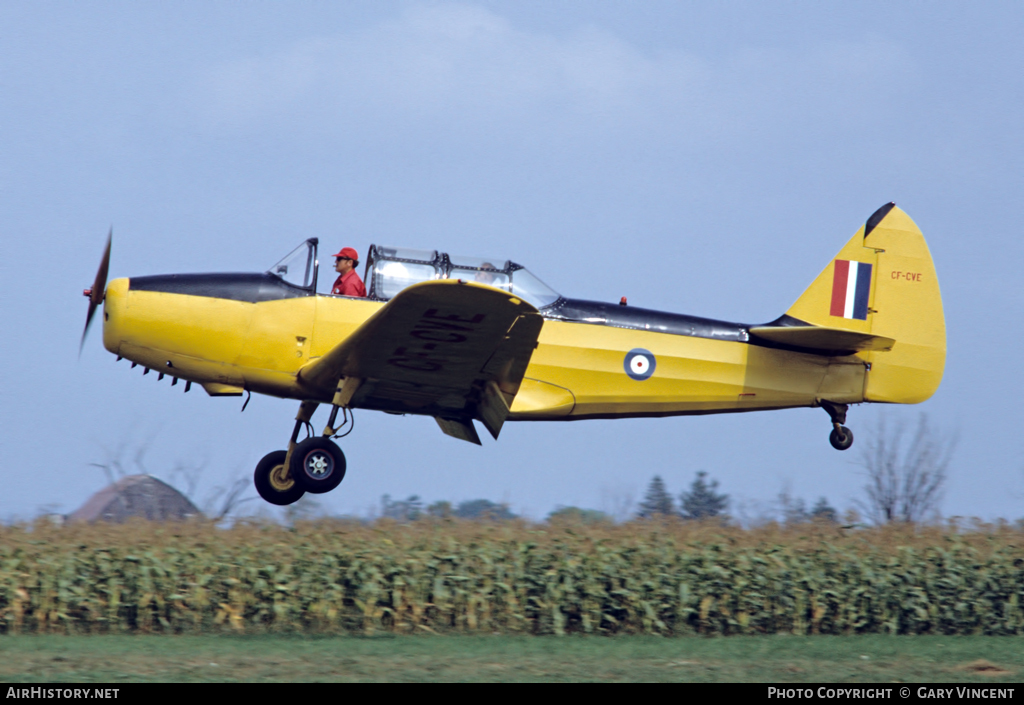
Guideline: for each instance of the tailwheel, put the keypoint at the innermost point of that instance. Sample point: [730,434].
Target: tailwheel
[273,481]
[841,438]
[318,465]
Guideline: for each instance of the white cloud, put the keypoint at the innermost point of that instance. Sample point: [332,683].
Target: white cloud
[453,68]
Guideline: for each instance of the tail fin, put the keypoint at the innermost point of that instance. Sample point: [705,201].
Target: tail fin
[883,283]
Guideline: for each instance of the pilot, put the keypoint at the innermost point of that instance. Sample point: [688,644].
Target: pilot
[348,282]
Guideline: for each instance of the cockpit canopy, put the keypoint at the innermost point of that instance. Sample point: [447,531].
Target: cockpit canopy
[391,269]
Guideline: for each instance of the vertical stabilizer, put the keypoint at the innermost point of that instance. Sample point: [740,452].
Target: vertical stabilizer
[883,283]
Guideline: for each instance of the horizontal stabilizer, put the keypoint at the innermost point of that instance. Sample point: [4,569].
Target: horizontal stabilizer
[821,339]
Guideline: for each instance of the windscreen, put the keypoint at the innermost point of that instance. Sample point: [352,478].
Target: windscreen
[529,288]
[297,266]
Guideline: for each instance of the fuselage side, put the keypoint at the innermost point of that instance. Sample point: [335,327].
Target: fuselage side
[258,341]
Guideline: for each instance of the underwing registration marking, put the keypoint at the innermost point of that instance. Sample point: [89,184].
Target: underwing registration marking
[437,331]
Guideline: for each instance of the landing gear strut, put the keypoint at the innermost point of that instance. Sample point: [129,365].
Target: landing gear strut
[315,465]
[841,437]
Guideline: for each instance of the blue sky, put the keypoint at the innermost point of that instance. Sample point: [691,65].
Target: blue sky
[707,158]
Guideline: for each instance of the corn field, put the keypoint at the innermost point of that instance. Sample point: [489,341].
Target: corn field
[469,577]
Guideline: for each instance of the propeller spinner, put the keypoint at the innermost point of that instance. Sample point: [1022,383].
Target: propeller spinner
[98,290]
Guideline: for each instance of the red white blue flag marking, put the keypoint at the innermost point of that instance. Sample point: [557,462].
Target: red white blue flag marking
[851,284]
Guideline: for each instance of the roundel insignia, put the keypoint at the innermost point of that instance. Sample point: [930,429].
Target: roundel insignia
[639,364]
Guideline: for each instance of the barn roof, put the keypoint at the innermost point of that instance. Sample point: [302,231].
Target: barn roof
[136,496]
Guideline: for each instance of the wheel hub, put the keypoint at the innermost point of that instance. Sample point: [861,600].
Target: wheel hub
[319,465]
[280,480]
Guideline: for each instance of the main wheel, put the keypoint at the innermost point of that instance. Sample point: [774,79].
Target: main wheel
[273,481]
[318,465]
[841,438]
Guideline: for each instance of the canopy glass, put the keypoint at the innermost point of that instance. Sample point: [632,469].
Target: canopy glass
[391,269]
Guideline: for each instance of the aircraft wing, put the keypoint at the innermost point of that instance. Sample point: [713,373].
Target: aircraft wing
[819,339]
[449,349]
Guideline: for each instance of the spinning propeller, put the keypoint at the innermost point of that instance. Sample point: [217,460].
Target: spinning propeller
[98,290]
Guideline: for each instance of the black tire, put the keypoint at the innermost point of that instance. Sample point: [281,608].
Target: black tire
[318,465]
[843,440]
[273,484]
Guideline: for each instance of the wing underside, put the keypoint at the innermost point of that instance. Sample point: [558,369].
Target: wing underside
[449,349]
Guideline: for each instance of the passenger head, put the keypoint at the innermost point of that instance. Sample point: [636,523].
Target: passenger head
[485,277]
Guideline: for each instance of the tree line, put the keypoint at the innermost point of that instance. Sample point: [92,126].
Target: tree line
[905,470]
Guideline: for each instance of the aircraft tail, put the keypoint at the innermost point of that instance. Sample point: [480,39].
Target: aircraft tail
[882,285]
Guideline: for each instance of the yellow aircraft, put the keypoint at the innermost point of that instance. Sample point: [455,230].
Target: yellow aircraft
[465,340]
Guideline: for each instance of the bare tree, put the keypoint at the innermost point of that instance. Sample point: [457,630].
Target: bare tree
[224,501]
[115,468]
[905,477]
[187,475]
[306,509]
[793,510]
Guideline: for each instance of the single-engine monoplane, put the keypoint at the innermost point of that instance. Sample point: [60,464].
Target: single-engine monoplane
[471,341]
